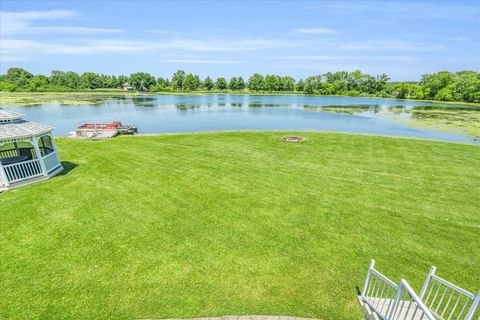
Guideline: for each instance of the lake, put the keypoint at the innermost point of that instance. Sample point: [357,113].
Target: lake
[190,113]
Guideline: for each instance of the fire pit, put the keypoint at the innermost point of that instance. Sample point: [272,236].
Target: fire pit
[292,139]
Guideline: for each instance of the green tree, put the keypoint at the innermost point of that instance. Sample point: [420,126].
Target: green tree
[162,84]
[221,84]
[38,83]
[233,84]
[208,83]
[240,83]
[191,82]
[90,80]
[256,82]
[121,80]
[287,84]
[18,78]
[445,94]
[141,81]
[300,85]
[177,80]
[272,82]
[433,83]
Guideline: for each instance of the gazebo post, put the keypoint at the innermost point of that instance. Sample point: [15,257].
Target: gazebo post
[3,177]
[55,147]
[39,155]
[15,144]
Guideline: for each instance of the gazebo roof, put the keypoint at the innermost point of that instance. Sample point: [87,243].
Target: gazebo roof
[12,126]
[7,115]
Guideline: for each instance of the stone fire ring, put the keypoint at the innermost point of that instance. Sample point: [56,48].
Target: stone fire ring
[292,139]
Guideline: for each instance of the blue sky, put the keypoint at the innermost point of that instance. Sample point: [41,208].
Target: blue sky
[404,39]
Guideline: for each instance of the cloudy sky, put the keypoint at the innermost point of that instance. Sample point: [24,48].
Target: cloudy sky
[224,38]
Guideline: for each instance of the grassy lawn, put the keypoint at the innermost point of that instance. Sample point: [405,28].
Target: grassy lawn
[212,224]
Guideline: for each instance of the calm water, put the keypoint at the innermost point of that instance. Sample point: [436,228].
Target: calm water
[182,113]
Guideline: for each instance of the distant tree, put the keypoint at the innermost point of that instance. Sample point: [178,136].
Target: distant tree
[208,84]
[191,82]
[142,81]
[433,83]
[177,80]
[300,86]
[162,84]
[446,93]
[272,82]
[309,87]
[38,83]
[57,78]
[71,80]
[90,80]
[240,83]
[381,83]
[233,84]
[408,90]
[287,83]
[221,84]
[18,78]
[312,84]
[256,82]
[121,80]
[442,85]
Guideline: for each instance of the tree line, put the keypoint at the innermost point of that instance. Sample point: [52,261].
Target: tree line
[443,85]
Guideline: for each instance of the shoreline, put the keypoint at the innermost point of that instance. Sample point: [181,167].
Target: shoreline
[100,94]
[373,135]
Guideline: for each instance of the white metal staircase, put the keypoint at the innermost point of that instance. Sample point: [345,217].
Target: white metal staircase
[439,299]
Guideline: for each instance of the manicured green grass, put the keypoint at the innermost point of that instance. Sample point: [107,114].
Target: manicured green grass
[211,224]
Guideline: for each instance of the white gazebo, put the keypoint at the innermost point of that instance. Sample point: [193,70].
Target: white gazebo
[27,151]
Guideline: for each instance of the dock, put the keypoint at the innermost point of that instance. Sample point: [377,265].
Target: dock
[93,134]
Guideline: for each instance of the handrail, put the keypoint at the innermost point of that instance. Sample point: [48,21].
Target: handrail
[444,298]
[451,285]
[384,278]
[406,294]
[379,292]
[438,299]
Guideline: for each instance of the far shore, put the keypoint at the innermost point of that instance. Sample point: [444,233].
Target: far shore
[74,97]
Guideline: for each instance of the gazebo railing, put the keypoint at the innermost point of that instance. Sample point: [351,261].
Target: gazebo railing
[24,151]
[23,170]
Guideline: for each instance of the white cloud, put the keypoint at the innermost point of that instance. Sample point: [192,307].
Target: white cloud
[16,23]
[219,45]
[21,49]
[346,58]
[199,61]
[458,38]
[315,31]
[390,45]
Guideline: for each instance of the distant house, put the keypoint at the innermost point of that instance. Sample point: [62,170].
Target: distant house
[127,87]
